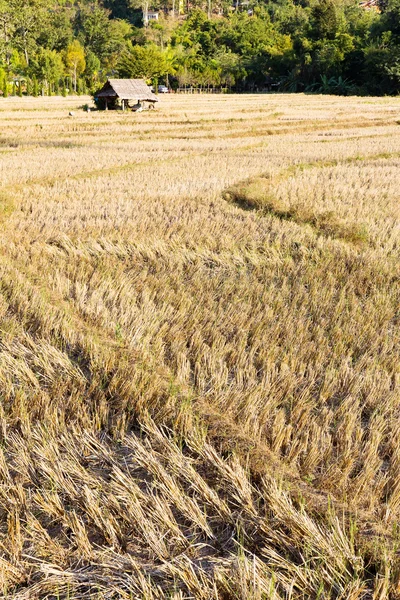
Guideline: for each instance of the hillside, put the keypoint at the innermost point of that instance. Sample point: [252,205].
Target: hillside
[62,47]
[199,349]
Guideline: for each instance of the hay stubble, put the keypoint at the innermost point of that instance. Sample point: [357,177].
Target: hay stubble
[199,349]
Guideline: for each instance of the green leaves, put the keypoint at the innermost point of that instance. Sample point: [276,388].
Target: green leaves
[260,45]
[75,60]
[145,62]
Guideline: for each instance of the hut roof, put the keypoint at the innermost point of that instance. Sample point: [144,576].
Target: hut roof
[127,89]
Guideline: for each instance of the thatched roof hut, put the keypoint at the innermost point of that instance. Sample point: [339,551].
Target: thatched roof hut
[126,90]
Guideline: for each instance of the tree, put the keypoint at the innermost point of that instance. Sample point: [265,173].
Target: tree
[325,20]
[230,68]
[48,67]
[120,34]
[93,24]
[5,87]
[75,61]
[391,18]
[58,31]
[144,6]
[120,9]
[35,87]
[7,29]
[143,62]
[100,35]
[92,69]
[300,43]
[30,18]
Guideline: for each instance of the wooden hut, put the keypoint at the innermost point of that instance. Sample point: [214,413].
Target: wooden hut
[121,93]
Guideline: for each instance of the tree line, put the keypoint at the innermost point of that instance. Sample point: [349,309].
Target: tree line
[329,46]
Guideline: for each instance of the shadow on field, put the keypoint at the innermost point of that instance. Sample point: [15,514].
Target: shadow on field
[258,194]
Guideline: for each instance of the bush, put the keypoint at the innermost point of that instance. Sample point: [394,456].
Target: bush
[5,87]
[35,87]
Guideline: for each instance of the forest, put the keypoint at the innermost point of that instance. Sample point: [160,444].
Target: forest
[326,46]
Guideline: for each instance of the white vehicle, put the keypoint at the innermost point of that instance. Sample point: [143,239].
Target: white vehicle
[162,89]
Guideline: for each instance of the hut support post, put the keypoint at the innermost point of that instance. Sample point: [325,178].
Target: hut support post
[123,104]
[106,101]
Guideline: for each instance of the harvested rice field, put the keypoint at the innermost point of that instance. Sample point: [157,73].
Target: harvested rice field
[199,349]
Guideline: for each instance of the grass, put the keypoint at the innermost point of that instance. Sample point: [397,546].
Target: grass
[199,349]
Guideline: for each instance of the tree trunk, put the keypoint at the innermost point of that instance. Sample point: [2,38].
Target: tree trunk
[145,13]
[26,49]
[6,40]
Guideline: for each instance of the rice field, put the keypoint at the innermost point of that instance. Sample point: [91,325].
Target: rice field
[199,349]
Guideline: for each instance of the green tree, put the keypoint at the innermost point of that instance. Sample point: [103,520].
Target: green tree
[35,90]
[57,32]
[143,62]
[7,31]
[324,20]
[230,68]
[93,23]
[304,44]
[120,34]
[391,19]
[5,87]
[30,18]
[75,61]
[92,69]
[48,67]
[100,35]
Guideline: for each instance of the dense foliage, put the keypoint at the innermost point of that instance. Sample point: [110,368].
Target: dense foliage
[329,46]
